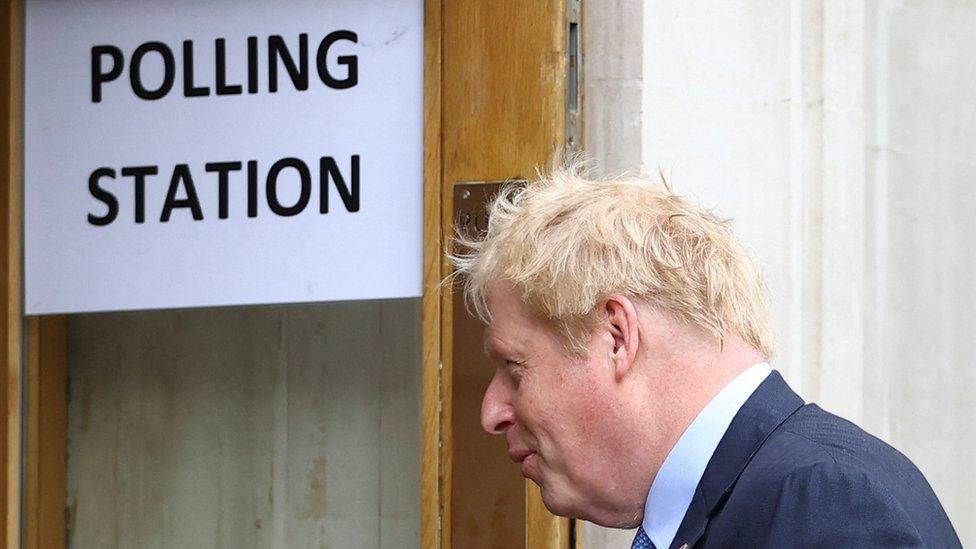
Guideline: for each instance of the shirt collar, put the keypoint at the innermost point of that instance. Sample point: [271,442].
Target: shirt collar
[675,483]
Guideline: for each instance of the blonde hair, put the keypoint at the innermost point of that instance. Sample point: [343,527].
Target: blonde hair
[566,243]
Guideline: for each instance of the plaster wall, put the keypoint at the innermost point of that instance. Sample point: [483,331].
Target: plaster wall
[838,136]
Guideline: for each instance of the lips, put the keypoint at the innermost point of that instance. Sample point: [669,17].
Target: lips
[518,455]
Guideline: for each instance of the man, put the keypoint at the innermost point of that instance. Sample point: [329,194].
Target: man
[630,335]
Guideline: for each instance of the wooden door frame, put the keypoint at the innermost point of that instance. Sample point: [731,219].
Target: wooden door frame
[11,266]
[432,458]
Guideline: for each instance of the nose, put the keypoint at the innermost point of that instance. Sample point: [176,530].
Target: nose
[497,413]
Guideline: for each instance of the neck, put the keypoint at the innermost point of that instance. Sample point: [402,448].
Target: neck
[675,389]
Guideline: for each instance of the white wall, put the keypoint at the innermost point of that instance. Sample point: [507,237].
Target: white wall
[613,81]
[276,426]
[839,136]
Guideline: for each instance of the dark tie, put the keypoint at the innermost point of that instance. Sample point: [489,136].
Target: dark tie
[641,541]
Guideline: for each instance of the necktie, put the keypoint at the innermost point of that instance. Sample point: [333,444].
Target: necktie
[641,541]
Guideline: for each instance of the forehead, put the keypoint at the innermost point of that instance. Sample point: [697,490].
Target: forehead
[511,325]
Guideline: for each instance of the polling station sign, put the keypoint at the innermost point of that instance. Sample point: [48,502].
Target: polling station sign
[199,153]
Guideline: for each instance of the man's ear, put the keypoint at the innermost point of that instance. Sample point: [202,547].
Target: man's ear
[624,328]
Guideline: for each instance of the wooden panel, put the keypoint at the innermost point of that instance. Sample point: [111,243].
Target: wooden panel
[430,464]
[11,148]
[503,100]
[47,432]
[504,87]
[246,427]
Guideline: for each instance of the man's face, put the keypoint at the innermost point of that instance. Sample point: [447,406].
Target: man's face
[556,411]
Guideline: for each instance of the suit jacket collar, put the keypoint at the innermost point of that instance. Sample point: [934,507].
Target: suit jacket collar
[768,407]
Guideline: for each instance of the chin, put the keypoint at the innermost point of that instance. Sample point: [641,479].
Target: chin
[561,510]
[565,505]
[559,504]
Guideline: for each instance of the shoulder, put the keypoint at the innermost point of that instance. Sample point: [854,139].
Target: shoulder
[837,504]
[817,504]
[815,440]
[823,480]
[818,501]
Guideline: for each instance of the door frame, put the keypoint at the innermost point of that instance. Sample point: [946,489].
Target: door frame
[11,241]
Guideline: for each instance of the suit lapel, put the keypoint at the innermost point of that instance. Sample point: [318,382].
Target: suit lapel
[768,407]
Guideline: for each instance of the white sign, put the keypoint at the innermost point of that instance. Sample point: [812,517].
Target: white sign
[183,154]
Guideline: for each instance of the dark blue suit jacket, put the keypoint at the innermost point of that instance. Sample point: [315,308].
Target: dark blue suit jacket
[792,475]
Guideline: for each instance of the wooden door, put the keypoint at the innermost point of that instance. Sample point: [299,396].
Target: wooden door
[503,104]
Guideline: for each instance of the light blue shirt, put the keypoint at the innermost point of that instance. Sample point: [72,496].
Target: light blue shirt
[676,481]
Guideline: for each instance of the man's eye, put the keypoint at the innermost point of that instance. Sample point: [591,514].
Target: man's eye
[515,369]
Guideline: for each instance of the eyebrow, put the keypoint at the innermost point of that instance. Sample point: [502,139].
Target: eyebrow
[495,348]
[491,349]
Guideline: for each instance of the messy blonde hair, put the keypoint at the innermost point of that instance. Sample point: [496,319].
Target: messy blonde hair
[566,243]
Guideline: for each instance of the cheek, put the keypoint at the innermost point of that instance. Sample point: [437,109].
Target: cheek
[583,413]
[591,420]
[566,407]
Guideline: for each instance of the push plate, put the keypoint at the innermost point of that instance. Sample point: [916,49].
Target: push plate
[487,489]
[471,199]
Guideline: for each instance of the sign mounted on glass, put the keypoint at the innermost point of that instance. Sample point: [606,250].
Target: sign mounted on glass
[185,154]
